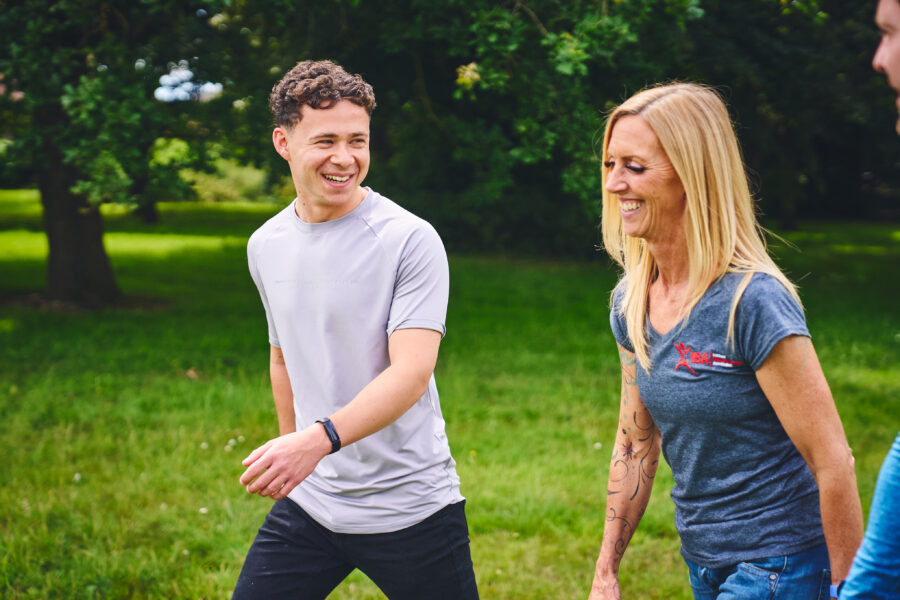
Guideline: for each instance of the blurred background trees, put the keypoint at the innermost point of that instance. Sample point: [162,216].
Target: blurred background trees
[489,111]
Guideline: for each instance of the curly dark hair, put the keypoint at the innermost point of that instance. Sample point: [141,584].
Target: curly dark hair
[318,84]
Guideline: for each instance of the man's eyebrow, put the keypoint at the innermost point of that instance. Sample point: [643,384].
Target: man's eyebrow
[327,135]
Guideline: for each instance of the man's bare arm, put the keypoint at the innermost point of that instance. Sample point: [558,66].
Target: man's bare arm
[276,467]
[281,392]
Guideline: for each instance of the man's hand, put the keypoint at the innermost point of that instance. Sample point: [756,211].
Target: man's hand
[279,465]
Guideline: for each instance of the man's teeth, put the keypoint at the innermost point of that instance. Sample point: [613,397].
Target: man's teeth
[629,205]
[337,178]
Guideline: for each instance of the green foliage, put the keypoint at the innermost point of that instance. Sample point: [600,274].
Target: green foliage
[88,70]
[123,429]
[814,119]
[105,180]
[234,182]
[488,111]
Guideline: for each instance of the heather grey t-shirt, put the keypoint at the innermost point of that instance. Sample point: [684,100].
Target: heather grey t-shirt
[742,490]
[333,292]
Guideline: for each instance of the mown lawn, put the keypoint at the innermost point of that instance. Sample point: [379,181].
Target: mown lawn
[122,430]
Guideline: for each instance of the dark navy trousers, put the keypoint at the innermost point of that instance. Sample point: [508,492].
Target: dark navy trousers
[294,557]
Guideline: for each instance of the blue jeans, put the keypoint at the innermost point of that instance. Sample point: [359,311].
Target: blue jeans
[295,557]
[802,576]
[875,574]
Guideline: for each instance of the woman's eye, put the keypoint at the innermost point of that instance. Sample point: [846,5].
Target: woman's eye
[635,168]
[609,164]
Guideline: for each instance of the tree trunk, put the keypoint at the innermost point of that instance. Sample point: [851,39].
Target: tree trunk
[146,209]
[78,269]
[148,212]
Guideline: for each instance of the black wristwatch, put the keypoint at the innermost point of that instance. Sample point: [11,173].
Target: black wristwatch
[332,434]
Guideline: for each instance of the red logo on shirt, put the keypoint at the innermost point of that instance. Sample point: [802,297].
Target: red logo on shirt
[688,357]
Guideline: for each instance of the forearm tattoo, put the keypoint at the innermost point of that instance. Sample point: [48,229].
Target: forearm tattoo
[623,464]
[628,378]
[620,544]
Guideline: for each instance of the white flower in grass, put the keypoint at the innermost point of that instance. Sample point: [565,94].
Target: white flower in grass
[163,506]
[232,442]
[204,446]
[203,510]
[228,448]
[597,445]
[241,438]
[77,477]
[186,552]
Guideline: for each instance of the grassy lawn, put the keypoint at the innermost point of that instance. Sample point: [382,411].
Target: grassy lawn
[122,430]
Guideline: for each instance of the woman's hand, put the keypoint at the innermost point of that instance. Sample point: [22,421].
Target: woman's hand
[605,588]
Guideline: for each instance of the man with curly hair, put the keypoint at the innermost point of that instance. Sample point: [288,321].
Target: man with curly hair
[355,294]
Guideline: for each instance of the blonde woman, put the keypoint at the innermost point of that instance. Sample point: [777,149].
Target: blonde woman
[718,370]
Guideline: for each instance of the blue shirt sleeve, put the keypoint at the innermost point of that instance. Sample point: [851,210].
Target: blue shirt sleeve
[617,320]
[766,314]
[875,573]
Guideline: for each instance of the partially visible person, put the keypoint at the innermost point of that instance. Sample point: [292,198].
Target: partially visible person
[887,56]
[875,574]
[718,369]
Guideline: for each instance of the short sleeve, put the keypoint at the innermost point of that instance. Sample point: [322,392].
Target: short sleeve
[617,320]
[766,314]
[423,283]
[252,258]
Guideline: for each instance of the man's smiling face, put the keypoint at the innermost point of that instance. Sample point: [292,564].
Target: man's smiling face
[328,152]
[887,56]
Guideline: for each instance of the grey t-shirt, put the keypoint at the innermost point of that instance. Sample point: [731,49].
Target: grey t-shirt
[333,293]
[742,490]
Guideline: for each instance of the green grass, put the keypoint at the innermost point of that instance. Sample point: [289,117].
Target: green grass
[122,430]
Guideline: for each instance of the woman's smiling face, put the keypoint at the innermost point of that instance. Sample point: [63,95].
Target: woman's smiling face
[649,193]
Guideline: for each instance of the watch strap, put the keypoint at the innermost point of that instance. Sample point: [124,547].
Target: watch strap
[332,434]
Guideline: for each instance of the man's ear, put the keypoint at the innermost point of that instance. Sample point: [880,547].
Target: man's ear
[279,140]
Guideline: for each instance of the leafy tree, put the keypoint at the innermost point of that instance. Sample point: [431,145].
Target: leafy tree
[798,77]
[486,109]
[88,122]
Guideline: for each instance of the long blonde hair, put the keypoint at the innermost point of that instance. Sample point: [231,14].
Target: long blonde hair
[722,233]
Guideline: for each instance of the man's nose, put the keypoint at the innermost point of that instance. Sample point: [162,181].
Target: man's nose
[878,59]
[341,155]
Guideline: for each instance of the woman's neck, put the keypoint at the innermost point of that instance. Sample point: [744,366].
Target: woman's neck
[672,262]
